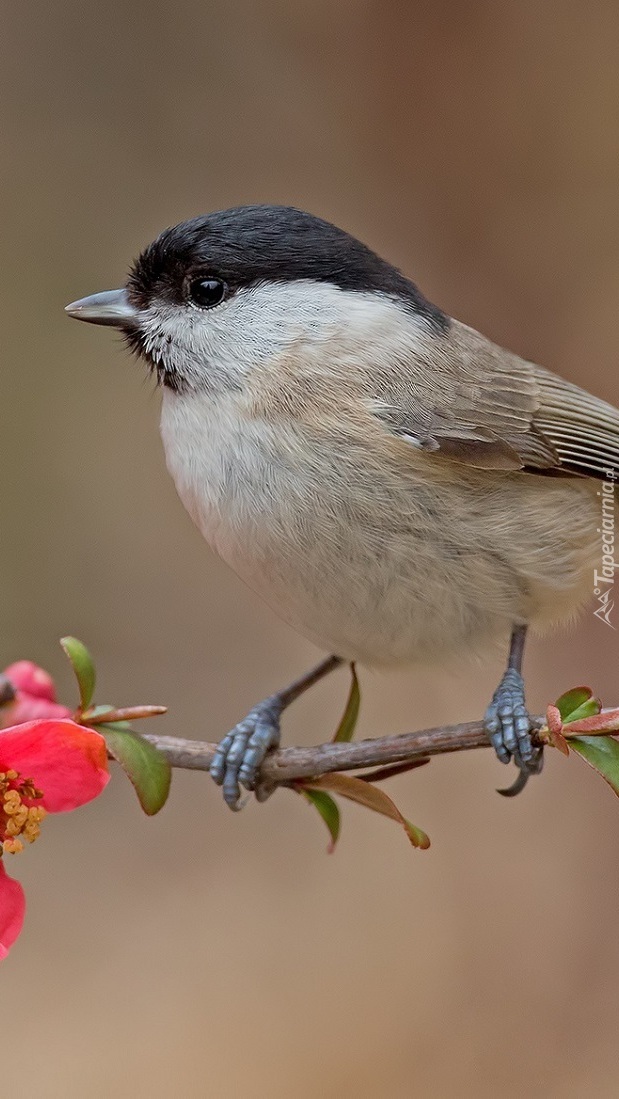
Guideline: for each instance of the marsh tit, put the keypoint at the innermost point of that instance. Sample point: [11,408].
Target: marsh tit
[394,485]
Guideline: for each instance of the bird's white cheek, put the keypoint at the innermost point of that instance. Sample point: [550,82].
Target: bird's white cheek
[216,350]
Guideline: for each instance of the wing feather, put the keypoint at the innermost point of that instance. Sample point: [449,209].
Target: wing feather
[480,405]
[584,429]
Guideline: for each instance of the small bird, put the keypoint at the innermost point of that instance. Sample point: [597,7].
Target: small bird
[394,485]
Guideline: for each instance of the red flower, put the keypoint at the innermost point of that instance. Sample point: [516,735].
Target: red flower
[46,766]
[12,909]
[31,680]
[35,696]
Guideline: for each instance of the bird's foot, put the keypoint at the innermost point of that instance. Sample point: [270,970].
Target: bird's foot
[509,727]
[240,754]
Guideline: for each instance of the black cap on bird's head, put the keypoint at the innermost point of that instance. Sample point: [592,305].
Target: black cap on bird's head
[208,258]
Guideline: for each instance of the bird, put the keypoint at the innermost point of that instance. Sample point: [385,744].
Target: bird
[394,485]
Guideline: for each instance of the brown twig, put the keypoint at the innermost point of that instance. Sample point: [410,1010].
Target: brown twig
[287,764]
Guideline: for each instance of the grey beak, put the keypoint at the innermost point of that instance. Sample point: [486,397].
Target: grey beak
[110,307]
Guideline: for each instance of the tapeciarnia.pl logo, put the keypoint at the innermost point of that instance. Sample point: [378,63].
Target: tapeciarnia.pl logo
[604,579]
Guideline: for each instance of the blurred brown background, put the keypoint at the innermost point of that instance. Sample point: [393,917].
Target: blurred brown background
[204,954]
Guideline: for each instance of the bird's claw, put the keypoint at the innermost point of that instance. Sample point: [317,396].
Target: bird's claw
[240,754]
[509,727]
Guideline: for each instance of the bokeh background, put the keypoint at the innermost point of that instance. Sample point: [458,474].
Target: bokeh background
[204,954]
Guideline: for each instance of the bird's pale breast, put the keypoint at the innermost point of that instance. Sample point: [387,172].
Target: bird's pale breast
[366,560]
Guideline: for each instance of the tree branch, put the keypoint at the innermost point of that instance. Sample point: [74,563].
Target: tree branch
[287,764]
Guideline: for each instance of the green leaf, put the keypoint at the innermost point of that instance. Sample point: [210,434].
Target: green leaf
[346,728]
[365,794]
[144,764]
[602,724]
[83,667]
[97,711]
[572,701]
[591,708]
[329,813]
[393,769]
[416,835]
[601,753]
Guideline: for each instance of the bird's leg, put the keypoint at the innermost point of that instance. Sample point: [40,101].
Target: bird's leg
[240,754]
[507,721]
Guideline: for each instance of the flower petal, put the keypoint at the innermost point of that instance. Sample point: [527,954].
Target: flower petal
[66,761]
[32,680]
[12,909]
[28,708]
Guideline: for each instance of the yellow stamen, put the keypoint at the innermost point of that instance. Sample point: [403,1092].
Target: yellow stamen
[16,818]
[12,847]
[20,816]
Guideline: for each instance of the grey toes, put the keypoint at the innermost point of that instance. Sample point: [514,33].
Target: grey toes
[240,754]
[264,737]
[508,725]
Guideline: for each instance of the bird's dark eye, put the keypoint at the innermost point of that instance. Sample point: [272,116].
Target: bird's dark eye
[206,292]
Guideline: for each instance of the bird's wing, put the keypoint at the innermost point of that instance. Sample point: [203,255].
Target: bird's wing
[482,406]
